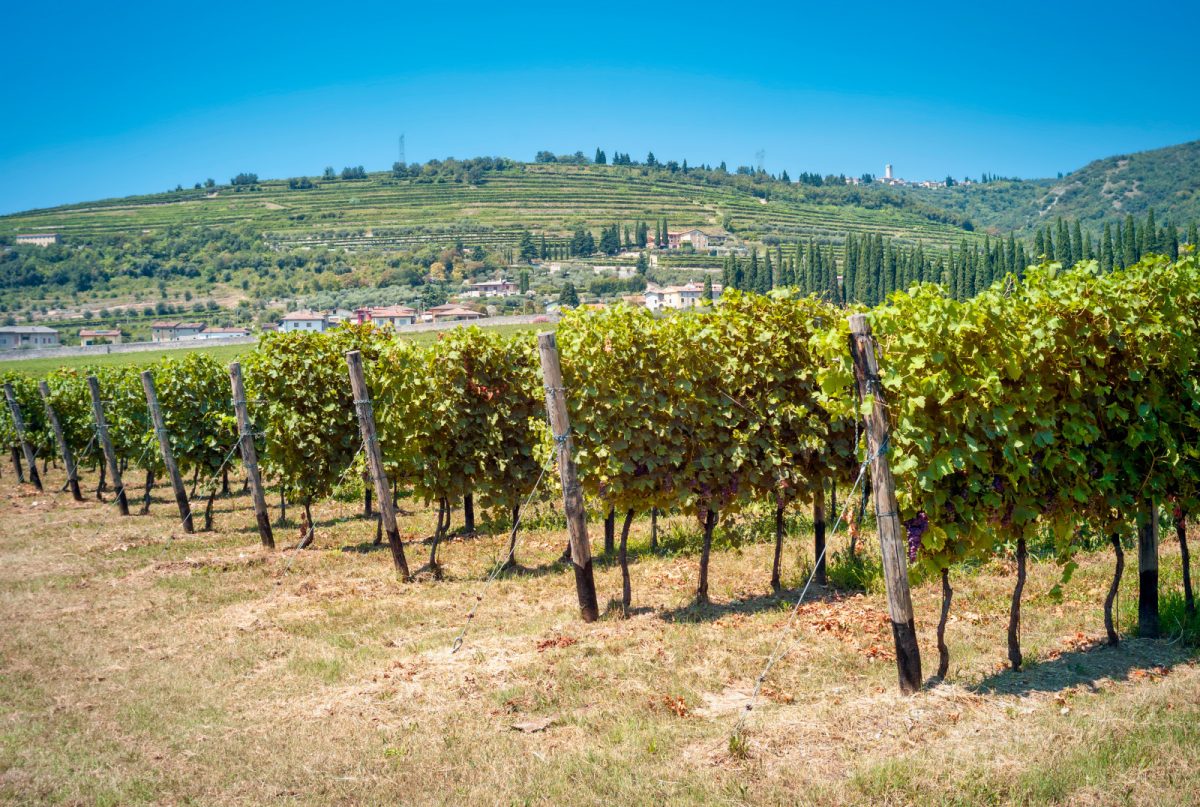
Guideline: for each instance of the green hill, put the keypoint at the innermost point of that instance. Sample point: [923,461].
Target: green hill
[383,211]
[1166,179]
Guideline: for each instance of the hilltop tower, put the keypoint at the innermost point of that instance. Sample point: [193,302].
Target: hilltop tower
[887,171]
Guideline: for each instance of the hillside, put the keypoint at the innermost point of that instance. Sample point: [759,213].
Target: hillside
[1166,179]
[382,211]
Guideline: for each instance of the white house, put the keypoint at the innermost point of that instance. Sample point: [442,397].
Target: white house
[491,288]
[311,321]
[219,333]
[677,298]
[390,316]
[39,239]
[15,337]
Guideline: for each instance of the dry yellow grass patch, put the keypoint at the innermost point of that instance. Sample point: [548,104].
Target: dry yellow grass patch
[141,665]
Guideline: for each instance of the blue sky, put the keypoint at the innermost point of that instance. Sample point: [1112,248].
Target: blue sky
[109,100]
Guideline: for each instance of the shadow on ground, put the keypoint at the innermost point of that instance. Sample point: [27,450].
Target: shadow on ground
[1085,667]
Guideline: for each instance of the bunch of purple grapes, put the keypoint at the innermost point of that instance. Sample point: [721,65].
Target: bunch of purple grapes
[916,526]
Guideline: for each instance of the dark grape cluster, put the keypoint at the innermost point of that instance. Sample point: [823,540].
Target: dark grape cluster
[916,526]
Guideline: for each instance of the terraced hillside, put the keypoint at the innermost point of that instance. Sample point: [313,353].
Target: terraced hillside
[384,212]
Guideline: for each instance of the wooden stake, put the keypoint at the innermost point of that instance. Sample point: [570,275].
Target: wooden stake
[65,450]
[366,424]
[110,456]
[19,424]
[1148,622]
[168,456]
[250,456]
[891,541]
[560,427]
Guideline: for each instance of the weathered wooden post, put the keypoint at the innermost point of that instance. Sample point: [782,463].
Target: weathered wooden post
[366,425]
[1148,622]
[560,427]
[65,450]
[168,456]
[891,541]
[250,456]
[110,456]
[19,425]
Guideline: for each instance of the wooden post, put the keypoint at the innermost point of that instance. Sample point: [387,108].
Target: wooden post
[366,424]
[19,425]
[819,533]
[891,540]
[560,427]
[164,443]
[110,456]
[65,450]
[250,456]
[1148,623]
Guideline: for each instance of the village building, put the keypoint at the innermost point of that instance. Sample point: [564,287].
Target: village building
[91,336]
[310,321]
[16,337]
[697,239]
[229,332]
[174,331]
[677,298]
[38,239]
[388,316]
[449,312]
[491,288]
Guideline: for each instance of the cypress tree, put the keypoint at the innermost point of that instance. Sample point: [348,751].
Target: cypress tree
[1076,243]
[1039,243]
[1172,246]
[1192,234]
[766,280]
[1106,249]
[1131,251]
[1149,236]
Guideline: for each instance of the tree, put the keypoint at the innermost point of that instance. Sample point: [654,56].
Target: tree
[568,297]
[650,161]
[523,281]
[600,159]
[329,174]
[643,265]
[527,249]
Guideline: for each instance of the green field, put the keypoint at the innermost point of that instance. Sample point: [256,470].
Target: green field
[222,353]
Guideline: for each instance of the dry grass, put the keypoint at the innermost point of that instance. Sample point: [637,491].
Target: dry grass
[141,669]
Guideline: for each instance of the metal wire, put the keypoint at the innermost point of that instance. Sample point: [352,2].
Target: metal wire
[781,649]
[512,548]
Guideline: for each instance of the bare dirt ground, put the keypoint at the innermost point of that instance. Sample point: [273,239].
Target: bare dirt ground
[142,665]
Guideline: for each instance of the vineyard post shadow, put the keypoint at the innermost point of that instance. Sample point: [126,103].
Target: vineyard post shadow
[250,455]
[366,423]
[891,545]
[560,428]
[19,425]
[164,443]
[1148,621]
[110,455]
[63,448]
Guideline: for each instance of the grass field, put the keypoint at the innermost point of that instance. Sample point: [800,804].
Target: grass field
[139,665]
[222,353]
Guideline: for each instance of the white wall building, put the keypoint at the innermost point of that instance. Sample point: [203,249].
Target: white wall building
[310,321]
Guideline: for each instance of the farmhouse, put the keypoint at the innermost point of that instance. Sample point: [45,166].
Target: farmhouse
[15,337]
[89,336]
[39,239]
[304,321]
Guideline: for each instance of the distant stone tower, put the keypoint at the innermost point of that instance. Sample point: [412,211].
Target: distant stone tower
[887,171]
